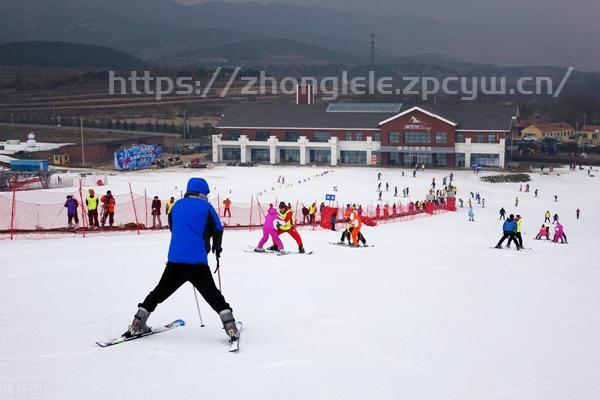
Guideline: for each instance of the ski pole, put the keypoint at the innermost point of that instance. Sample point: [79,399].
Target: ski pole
[219,273]
[198,307]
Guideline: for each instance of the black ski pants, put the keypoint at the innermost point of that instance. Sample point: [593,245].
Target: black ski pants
[511,238]
[175,275]
[347,234]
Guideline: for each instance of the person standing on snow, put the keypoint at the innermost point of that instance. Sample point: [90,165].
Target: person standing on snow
[227,208]
[555,219]
[356,225]
[559,234]
[92,201]
[156,206]
[519,238]
[168,209]
[577,212]
[194,222]
[286,215]
[108,209]
[305,215]
[509,228]
[272,221]
[312,213]
[502,213]
[71,205]
[547,216]
[471,215]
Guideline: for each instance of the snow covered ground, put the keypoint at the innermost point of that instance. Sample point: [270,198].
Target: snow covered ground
[430,312]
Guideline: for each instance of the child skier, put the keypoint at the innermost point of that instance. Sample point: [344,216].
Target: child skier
[559,234]
[193,222]
[71,205]
[272,222]
[286,214]
[471,215]
[543,232]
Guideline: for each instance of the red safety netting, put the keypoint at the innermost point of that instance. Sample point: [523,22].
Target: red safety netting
[45,211]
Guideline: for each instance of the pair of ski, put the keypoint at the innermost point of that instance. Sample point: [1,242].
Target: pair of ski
[284,253]
[234,344]
[508,248]
[349,245]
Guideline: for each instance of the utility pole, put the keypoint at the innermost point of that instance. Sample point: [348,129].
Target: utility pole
[372,52]
[184,122]
[82,146]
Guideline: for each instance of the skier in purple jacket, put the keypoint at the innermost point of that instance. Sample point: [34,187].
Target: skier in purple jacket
[71,205]
[272,219]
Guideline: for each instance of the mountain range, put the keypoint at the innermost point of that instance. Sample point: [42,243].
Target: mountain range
[166,30]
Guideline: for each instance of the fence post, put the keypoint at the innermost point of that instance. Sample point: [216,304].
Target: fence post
[146,207]
[251,207]
[83,211]
[137,224]
[219,205]
[14,205]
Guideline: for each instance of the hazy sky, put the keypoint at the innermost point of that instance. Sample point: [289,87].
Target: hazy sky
[572,12]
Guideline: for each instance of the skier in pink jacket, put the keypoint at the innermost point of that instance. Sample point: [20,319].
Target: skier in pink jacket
[272,219]
[559,233]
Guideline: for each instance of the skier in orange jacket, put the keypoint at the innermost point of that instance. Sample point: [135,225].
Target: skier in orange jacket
[356,225]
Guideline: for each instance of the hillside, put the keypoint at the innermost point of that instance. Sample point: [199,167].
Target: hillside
[278,51]
[152,29]
[61,54]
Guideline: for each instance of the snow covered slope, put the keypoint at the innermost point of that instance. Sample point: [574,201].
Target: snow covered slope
[430,312]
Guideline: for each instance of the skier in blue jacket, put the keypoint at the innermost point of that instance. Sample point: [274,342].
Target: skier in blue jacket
[193,222]
[509,228]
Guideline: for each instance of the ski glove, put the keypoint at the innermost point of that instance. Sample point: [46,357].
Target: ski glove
[217,251]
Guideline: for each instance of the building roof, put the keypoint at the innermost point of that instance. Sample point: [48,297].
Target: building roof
[591,128]
[259,115]
[297,116]
[554,126]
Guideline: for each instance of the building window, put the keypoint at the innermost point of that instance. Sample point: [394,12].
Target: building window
[263,136]
[488,160]
[260,155]
[441,138]
[479,138]
[353,157]
[459,160]
[359,136]
[394,137]
[231,154]
[232,135]
[440,160]
[417,137]
[320,156]
[492,138]
[348,136]
[289,155]
[460,138]
[322,137]
[377,137]
[291,136]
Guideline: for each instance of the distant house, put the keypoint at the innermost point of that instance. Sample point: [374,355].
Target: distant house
[591,134]
[563,131]
[532,131]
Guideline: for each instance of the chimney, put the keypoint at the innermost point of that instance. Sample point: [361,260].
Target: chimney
[305,94]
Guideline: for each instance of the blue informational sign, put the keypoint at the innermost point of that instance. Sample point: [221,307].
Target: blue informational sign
[330,197]
[140,156]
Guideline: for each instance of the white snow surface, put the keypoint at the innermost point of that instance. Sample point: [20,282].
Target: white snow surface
[430,312]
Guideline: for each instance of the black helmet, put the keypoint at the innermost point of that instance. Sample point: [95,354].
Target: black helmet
[282,205]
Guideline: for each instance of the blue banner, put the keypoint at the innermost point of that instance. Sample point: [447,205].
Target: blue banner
[140,156]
